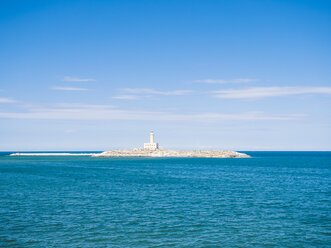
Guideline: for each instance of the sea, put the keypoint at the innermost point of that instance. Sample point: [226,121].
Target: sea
[274,199]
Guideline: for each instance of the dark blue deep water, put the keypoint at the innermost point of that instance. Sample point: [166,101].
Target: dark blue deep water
[275,199]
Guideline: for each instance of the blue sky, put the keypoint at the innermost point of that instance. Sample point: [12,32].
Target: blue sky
[98,75]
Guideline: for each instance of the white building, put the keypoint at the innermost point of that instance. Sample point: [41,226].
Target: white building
[151,145]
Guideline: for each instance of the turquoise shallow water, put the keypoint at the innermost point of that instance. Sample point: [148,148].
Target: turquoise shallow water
[275,199]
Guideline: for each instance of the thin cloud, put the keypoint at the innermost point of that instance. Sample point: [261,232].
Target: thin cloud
[127,97]
[263,92]
[68,88]
[77,79]
[156,92]
[224,81]
[6,100]
[109,112]
[79,106]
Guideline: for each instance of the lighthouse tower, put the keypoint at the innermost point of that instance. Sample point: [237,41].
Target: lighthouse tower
[151,145]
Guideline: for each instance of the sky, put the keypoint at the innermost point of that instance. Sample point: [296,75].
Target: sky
[202,74]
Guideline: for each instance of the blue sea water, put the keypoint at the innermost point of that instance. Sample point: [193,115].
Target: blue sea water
[275,199]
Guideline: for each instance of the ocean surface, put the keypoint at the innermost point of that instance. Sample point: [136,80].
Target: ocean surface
[275,199]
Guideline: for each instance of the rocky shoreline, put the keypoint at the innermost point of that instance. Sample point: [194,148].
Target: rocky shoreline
[172,153]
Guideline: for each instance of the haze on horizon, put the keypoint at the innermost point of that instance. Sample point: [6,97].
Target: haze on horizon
[99,75]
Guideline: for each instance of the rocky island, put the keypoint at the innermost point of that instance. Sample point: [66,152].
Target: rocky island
[151,149]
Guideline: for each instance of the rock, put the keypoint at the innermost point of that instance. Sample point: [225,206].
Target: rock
[171,153]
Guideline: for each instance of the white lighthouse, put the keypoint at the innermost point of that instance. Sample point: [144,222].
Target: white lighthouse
[151,145]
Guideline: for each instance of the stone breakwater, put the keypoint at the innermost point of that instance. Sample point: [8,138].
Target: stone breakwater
[50,154]
[172,153]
